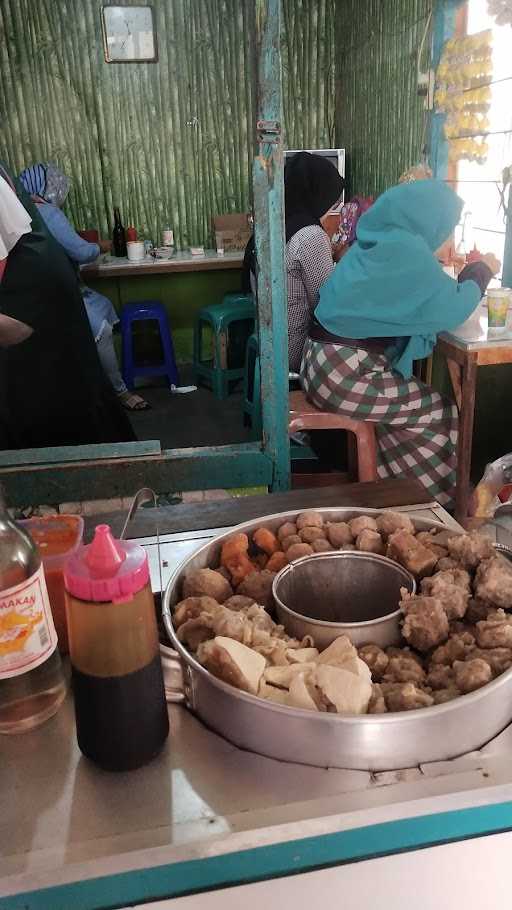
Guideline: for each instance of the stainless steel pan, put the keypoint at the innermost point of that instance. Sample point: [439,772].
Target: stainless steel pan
[378,743]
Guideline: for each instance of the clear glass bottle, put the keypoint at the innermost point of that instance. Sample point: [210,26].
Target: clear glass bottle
[32,686]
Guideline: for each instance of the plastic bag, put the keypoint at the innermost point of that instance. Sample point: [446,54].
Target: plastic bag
[494,488]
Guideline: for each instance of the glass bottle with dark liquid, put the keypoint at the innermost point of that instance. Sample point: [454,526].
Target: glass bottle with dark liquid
[118,236]
[120,707]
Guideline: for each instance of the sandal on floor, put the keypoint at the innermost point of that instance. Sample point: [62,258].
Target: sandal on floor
[133,402]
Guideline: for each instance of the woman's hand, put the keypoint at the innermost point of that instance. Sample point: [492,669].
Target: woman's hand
[12,331]
[492,263]
[339,250]
[105,245]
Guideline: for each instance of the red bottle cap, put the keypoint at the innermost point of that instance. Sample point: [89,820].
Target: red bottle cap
[107,570]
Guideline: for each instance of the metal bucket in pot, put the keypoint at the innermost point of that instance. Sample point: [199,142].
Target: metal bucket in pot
[342,593]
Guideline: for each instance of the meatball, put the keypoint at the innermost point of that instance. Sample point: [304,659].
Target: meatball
[494,582]
[389,522]
[359,524]
[308,535]
[339,534]
[470,549]
[451,588]
[207,583]
[403,668]
[471,674]
[377,703]
[440,677]
[477,610]
[376,659]
[425,624]
[441,696]
[321,545]
[258,586]
[499,659]
[298,550]
[286,530]
[238,602]
[309,520]
[457,647]
[191,608]
[446,562]
[290,541]
[370,542]
[495,631]
[406,697]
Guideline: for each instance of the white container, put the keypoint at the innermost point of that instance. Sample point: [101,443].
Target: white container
[219,244]
[135,250]
[168,237]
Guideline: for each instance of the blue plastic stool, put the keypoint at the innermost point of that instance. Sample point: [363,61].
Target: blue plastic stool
[140,312]
[235,308]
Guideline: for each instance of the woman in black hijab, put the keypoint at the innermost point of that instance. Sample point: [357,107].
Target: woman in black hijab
[53,390]
[312,187]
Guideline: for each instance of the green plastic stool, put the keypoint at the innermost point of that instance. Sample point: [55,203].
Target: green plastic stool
[252,389]
[231,323]
[252,402]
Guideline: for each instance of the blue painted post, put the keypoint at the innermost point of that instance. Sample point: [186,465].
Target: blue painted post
[444,27]
[269,233]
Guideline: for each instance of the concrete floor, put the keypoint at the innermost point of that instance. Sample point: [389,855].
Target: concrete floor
[194,419]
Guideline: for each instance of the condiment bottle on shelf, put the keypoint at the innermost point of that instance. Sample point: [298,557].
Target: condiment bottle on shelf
[120,707]
[131,233]
[32,686]
[118,236]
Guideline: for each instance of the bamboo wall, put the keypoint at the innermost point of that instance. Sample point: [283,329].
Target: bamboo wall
[170,142]
[379,118]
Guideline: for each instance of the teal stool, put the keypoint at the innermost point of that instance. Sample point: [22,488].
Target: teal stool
[252,402]
[231,323]
[252,388]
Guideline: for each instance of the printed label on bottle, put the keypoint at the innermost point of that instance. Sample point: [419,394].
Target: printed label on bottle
[27,631]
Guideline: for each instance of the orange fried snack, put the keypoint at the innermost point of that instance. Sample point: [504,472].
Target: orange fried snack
[277,562]
[266,541]
[235,559]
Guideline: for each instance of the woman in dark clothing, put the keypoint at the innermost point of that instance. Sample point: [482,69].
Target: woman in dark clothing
[53,390]
[312,187]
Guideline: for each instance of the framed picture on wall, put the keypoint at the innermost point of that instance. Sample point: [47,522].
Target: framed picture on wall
[129,34]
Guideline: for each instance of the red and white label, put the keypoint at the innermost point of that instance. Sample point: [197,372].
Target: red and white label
[27,631]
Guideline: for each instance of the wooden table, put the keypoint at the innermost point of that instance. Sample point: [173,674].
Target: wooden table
[107,266]
[468,347]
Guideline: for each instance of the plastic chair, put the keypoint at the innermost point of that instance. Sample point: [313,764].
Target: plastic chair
[222,319]
[362,449]
[362,446]
[140,312]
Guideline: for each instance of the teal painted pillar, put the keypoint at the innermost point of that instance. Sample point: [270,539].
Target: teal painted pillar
[444,27]
[507,254]
[270,243]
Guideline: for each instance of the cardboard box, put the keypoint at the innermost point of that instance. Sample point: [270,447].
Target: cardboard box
[234,230]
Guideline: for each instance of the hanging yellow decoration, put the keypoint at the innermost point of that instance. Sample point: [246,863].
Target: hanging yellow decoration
[463,94]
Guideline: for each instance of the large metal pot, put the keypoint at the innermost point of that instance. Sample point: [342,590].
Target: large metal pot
[378,742]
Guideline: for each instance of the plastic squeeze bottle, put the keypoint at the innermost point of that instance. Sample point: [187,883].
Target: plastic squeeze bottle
[120,707]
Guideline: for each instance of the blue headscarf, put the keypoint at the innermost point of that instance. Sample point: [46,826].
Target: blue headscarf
[389,284]
[46,181]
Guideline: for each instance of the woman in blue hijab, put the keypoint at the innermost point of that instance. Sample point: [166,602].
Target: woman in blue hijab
[381,309]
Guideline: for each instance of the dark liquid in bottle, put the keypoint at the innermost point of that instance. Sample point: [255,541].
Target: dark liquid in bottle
[121,721]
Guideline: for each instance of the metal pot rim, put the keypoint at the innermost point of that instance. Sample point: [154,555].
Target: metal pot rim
[357,554]
[391,717]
